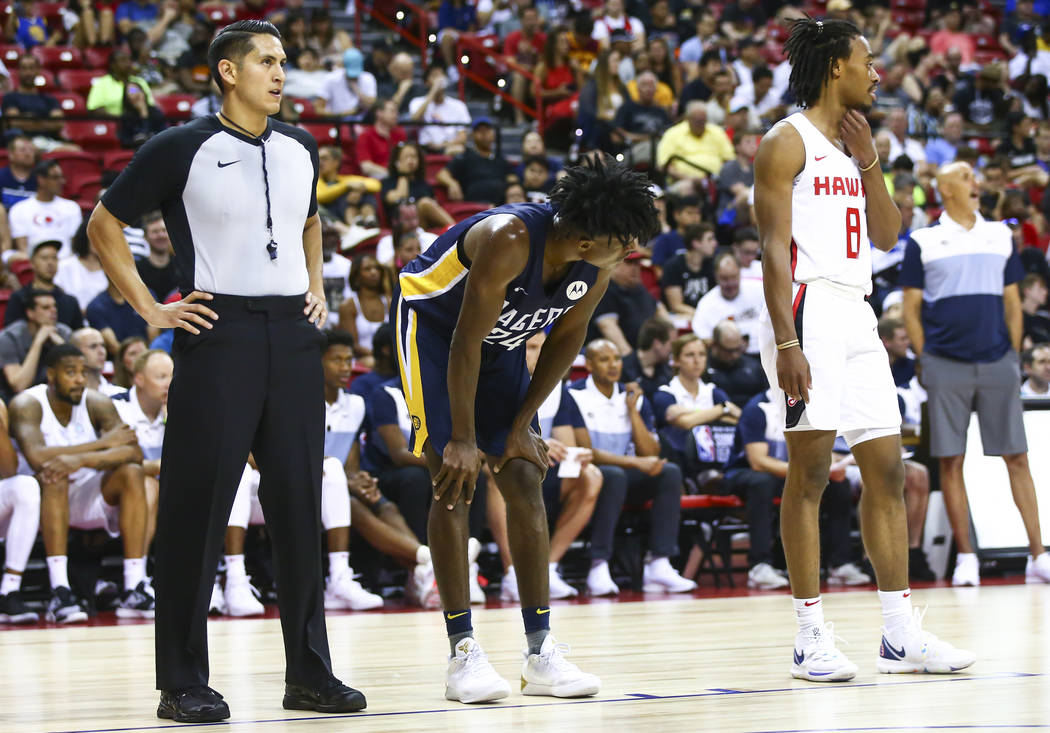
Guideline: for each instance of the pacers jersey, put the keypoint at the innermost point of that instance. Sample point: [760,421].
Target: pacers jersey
[829,225]
[432,285]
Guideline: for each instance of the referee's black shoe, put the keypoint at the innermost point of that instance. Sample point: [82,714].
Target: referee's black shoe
[199,704]
[334,697]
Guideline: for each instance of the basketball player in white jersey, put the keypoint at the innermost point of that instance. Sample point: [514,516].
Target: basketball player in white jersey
[19,521]
[89,466]
[819,197]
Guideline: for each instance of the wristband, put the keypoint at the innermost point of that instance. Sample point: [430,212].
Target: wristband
[787,345]
[873,164]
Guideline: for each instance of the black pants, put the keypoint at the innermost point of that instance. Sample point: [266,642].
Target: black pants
[629,484]
[252,383]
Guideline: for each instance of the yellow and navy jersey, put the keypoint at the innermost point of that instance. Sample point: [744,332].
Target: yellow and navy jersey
[433,284]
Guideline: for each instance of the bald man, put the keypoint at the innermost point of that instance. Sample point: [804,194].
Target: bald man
[92,344]
[740,301]
[962,311]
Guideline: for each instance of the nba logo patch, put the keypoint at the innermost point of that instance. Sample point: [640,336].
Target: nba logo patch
[576,290]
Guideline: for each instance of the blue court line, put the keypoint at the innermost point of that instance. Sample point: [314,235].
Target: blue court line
[628,697]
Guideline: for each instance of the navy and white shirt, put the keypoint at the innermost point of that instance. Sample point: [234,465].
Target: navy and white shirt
[342,424]
[386,406]
[149,432]
[962,273]
[606,418]
[760,422]
[713,442]
[557,410]
[207,180]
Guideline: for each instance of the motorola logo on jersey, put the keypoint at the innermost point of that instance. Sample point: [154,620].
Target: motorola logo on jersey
[576,290]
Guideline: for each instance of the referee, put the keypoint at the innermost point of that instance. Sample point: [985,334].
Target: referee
[237,191]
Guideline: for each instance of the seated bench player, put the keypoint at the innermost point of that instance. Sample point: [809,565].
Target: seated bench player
[19,521]
[89,466]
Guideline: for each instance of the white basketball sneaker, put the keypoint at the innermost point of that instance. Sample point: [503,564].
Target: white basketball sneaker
[848,574]
[422,587]
[550,673]
[343,592]
[477,595]
[508,587]
[558,587]
[915,650]
[816,659]
[600,582]
[765,577]
[1038,569]
[241,598]
[967,569]
[659,577]
[470,677]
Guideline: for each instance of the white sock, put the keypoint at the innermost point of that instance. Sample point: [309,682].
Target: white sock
[134,571]
[10,583]
[235,568]
[896,609]
[423,555]
[597,563]
[56,569]
[809,612]
[338,562]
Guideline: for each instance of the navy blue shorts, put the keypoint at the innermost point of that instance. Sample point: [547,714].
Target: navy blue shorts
[422,355]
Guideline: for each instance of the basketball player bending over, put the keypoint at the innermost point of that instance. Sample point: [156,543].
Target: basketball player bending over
[819,194]
[465,310]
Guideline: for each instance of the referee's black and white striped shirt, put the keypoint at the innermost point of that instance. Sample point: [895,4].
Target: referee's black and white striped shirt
[207,179]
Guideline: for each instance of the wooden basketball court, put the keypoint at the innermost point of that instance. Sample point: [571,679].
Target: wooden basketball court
[695,664]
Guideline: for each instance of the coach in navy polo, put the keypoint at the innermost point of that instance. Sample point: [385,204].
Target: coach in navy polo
[237,194]
[962,311]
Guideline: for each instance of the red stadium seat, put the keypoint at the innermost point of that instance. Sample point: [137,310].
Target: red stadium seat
[56,58]
[989,55]
[23,270]
[10,53]
[325,133]
[909,19]
[986,41]
[116,160]
[460,210]
[304,108]
[175,106]
[93,134]
[88,189]
[45,81]
[77,168]
[217,13]
[70,102]
[434,163]
[97,57]
[78,80]
[907,4]
[52,12]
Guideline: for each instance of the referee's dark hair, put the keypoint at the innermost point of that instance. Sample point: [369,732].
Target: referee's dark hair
[234,42]
[601,198]
[58,352]
[812,47]
[337,338]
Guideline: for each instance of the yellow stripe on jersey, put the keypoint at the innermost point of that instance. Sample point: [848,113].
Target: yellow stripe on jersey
[437,279]
[411,383]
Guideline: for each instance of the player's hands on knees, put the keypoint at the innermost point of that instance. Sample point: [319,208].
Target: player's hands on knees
[525,444]
[187,313]
[793,374]
[460,464]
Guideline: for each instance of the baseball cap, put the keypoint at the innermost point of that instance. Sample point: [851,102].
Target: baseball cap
[479,121]
[353,62]
[44,243]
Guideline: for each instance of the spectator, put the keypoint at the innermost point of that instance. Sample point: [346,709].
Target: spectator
[741,301]
[191,63]
[558,81]
[309,79]
[80,273]
[136,13]
[25,344]
[524,46]
[744,19]
[900,143]
[582,47]
[403,87]
[537,179]
[638,124]
[157,269]
[1019,150]
[42,116]
[746,249]
[626,305]
[894,338]
[406,248]
[44,260]
[46,216]
[93,347]
[692,50]
[88,26]
[600,99]
[367,304]
[699,88]
[952,35]
[130,350]
[614,18]
[335,271]
[172,35]
[113,315]
[383,369]
[347,197]
[454,17]
[723,94]
[293,36]
[686,212]
[1033,307]
[1015,25]
[446,117]
[376,142]
[649,365]
[1035,101]
[404,219]
[662,64]
[17,181]
[689,275]
[1036,365]
[514,193]
[350,91]
[736,179]
[139,120]
[739,375]
[329,42]
[616,422]
[762,101]
[941,150]
[405,184]
[107,92]
[1029,59]
[478,173]
[963,314]
[694,148]
[982,100]
[27,27]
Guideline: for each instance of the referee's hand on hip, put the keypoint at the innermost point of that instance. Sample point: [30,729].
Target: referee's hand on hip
[186,313]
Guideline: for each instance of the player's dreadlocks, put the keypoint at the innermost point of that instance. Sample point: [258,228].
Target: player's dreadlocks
[812,47]
[602,198]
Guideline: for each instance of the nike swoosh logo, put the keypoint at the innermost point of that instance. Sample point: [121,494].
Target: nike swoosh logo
[906,595]
[223,165]
[541,611]
[451,616]
[800,658]
[892,653]
[819,158]
[811,603]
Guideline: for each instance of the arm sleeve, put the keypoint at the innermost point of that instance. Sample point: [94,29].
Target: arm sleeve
[912,273]
[156,174]
[568,412]
[661,402]
[646,412]
[718,395]
[1014,270]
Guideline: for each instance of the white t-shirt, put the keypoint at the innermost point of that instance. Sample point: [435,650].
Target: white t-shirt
[385,248]
[744,310]
[334,274]
[78,281]
[909,146]
[39,221]
[604,26]
[1040,64]
[1027,390]
[449,110]
[339,98]
[306,84]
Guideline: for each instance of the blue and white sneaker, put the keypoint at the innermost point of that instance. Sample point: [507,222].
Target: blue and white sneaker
[816,659]
[915,650]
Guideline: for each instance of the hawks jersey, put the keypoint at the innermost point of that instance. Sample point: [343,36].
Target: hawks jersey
[829,225]
[433,284]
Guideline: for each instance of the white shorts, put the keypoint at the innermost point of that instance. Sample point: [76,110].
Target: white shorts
[87,508]
[853,392]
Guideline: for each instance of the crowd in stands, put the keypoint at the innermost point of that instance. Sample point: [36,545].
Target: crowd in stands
[669,398]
